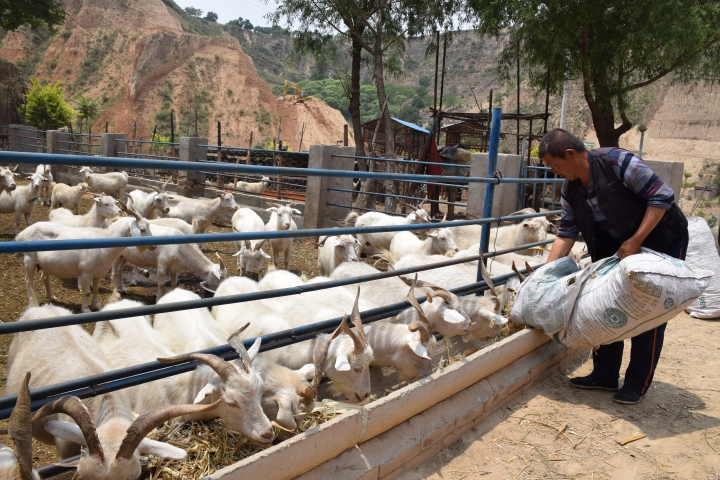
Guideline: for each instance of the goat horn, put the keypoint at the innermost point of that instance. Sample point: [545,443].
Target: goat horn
[417,326]
[239,347]
[304,390]
[357,322]
[528,267]
[444,216]
[222,368]
[152,418]
[73,407]
[485,276]
[150,186]
[420,283]
[423,201]
[413,301]
[277,205]
[222,264]
[130,209]
[260,244]
[13,169]
[321,351]
[322,240]
[166,183]
[20,430]
[248,245]
[520,275]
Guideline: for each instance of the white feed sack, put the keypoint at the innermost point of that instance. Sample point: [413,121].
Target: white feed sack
[610,300]
[702,253]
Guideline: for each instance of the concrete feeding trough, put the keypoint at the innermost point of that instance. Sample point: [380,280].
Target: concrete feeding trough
[402,430]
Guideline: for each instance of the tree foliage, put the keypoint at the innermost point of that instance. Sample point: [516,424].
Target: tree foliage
[45,106]
[193,12]
[242,23]
[211,17]
[614,47]
[86,109]
[35,13]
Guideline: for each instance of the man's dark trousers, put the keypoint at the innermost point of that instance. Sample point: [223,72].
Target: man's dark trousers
[646,347]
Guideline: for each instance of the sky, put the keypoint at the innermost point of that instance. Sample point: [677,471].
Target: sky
[253,10]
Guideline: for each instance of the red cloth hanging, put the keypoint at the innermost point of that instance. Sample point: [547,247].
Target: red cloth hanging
[433,156]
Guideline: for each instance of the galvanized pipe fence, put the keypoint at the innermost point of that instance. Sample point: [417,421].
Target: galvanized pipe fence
[123,378]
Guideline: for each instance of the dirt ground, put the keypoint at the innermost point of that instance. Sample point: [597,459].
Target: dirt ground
[553,430]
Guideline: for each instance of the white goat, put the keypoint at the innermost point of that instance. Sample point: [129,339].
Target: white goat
[21,201]
[7,179]
[438,242]
[375,219]
[332,251]
[150,205]
[89,265]
[257,187]
[349,355]
[103,210]
[104,424]
[250,255]
[175,223]
[281,220]
[108,183]
[483,311]
[287,396]
[67,196]
[200,210]
[529,230]
[444,312]
[47,182]
[170,259]
[132,341]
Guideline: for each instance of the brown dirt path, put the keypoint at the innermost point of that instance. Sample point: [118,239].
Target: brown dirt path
[552,430]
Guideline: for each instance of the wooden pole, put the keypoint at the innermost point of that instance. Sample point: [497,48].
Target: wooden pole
[346,136]
[547,100]
[517,138]
[437,57]
[442,90]
[196,122]
[219,154]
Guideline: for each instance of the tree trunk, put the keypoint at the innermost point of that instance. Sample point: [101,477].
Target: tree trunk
[603,119]
[390,187]
[363,201]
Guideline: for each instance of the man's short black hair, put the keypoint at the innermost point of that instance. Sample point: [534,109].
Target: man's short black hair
[556,141]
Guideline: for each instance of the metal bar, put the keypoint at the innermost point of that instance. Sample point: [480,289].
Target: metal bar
[54,159]
[76,152]
[417,162]
[396,196]
[215,147]
[31,138]
[539,168]
[86,243]
[149,142]
[268,181]
[490,188]
[138,374]
[81,143]
[130,155]
[32,145]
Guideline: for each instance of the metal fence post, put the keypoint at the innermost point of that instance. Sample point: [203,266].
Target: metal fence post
[490,187]
[14,137]
[190,184]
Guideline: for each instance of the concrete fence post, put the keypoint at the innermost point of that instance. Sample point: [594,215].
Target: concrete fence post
[14,137]
[190,184]
[109,148]
[506,194]
[52,138]
[317,213]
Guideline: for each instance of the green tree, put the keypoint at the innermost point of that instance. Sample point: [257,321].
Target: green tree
[424,81]
[193,12]
[45,106]
[86,110]
[242,23]
[211,17]
[614,47]
[35,13]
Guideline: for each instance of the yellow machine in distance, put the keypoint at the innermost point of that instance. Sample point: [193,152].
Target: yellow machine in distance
[298,97]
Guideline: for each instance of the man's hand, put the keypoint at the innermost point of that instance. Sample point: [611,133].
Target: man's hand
[631,246]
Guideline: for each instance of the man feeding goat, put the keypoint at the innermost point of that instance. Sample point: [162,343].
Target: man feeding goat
[618,204]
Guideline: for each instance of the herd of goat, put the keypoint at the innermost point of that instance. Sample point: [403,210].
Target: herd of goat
[280,385]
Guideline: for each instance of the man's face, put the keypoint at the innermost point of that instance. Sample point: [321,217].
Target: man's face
[567,167]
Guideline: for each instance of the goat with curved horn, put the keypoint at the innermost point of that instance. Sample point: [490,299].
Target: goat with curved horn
[357,322]
[237,345]
[20,431]
[320,353]
[223,368]
[153,418]
[519,275]
[74,408]
[157,189]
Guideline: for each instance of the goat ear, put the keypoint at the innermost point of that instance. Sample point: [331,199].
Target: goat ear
[341,362]
[451,316]
[306,371]
[161,449]
[253,351]
[242,250]
[97,200]
[296,211]
[262,252]
[412,216]
[207,390]
[433,234]
[418,349]
[66,431]
[366,329]
[271,209]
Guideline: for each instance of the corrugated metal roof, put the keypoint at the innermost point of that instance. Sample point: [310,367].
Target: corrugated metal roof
[410,125]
